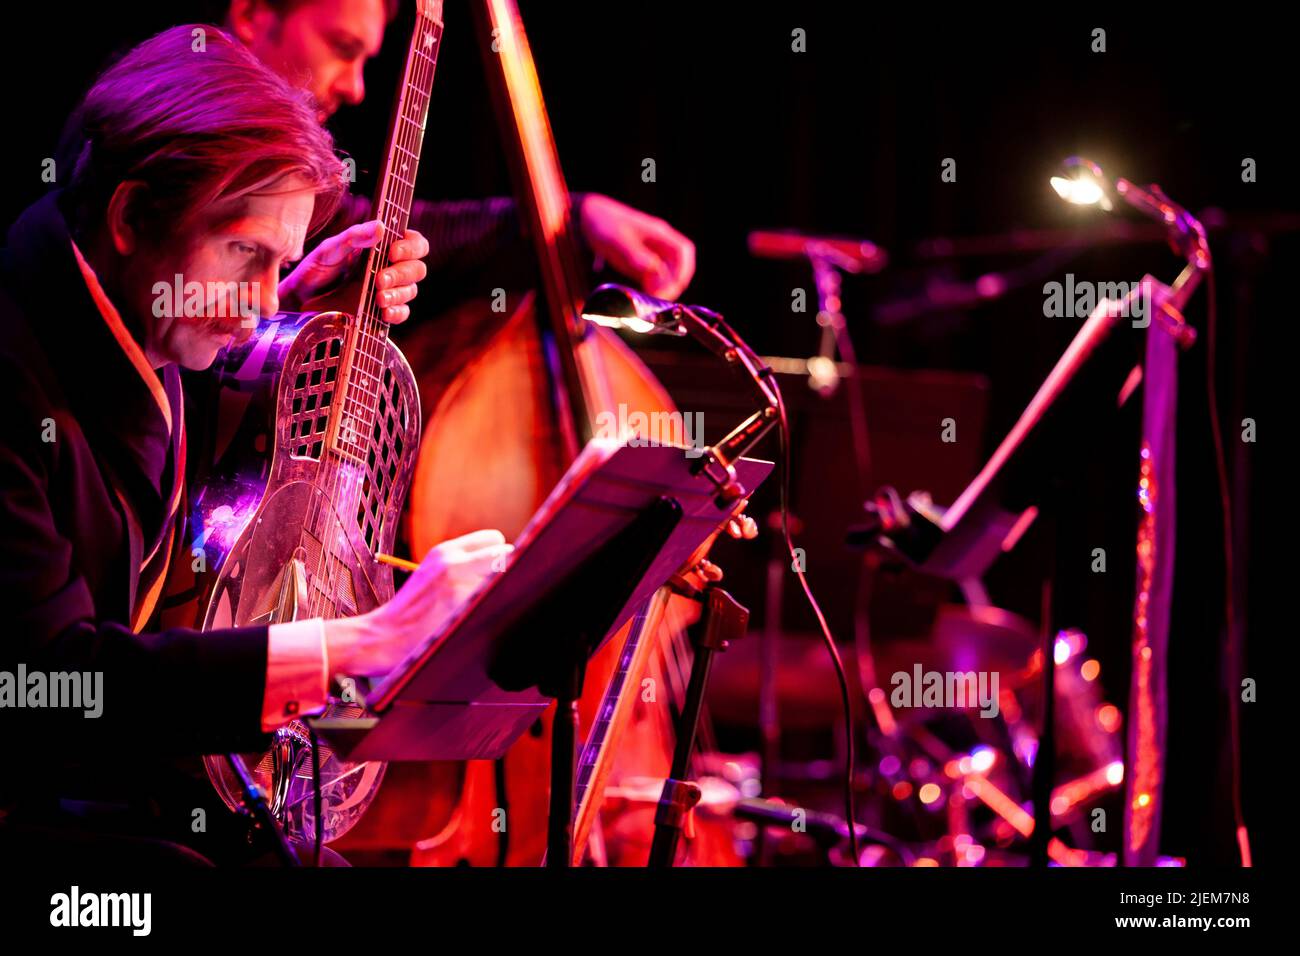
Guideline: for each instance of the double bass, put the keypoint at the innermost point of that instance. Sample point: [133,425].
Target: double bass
[516,414]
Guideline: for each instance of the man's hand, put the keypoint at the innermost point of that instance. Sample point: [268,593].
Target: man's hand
[329,263]
[376,642]
[645,249]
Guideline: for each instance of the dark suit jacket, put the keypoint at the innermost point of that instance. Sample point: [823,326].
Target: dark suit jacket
[70,557]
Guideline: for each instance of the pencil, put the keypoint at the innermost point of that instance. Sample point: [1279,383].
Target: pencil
[397,562]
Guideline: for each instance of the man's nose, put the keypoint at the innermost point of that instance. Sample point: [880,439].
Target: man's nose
[351,86]
[267,301]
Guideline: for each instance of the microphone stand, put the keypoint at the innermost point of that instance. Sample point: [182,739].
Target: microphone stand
[724,620]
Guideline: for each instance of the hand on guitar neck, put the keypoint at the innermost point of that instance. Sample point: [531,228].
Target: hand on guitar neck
[316,278]
[373,644]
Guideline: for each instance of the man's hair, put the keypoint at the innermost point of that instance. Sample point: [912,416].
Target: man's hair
[285,6]
[197,119]
[219,10]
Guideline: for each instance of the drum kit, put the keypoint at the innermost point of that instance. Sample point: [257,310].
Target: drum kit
[941,786]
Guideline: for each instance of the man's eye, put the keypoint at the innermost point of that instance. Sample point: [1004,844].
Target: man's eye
[345,50]
[245,249]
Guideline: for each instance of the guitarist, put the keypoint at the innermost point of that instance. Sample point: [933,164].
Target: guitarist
[201,165]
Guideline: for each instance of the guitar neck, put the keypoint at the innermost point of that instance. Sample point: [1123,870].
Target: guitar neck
[362,385]
[396,189]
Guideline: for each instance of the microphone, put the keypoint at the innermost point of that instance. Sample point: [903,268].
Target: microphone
[850,255]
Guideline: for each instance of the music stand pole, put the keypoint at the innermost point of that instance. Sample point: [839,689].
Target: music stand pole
[564,743]
[724,620]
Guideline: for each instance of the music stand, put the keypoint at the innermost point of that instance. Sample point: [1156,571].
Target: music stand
[622,521]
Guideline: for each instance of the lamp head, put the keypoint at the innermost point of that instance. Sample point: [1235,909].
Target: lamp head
[1085,184]
[620,307]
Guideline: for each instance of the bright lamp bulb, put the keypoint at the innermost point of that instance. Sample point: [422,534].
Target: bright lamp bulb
[631,323]
[1082,190]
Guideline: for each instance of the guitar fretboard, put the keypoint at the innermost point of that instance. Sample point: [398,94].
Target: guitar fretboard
[364,390]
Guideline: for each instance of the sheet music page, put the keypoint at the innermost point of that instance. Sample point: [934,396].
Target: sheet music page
[593,455]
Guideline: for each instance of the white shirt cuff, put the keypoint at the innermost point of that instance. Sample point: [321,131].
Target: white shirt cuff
[297,672]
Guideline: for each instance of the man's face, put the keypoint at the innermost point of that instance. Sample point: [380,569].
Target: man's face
[229,270]
[321,45]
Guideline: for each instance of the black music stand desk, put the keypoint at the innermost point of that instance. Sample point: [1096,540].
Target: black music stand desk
[621,522]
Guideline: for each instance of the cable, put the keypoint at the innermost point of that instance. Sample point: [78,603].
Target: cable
[765,379]
[316,797]
[850,810]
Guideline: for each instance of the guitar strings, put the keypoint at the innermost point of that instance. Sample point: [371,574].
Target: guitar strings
[368,330]
[368,345]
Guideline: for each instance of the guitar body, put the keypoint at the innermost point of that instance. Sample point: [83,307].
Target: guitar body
[294,535]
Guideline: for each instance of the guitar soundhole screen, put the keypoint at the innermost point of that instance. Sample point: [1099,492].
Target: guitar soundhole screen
[311,397]
[383,458]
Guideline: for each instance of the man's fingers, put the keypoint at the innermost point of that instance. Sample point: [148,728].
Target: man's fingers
[644,265]
[489,556]
[472,566]
[398,287]
[678,253]
[679,250]
[662,260]
[364,234]
[484,538]
[403,273]
[454,551]
[412,245]
[361,236]
[399,296]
